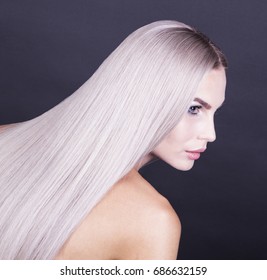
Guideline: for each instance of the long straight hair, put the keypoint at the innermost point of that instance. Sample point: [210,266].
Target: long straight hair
[56,167]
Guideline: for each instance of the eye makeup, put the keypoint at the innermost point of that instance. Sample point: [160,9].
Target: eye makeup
[194,109]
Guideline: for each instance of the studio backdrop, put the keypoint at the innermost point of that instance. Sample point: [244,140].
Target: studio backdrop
[49,48]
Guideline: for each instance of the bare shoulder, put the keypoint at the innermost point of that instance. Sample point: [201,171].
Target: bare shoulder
[133,221]
[156,226]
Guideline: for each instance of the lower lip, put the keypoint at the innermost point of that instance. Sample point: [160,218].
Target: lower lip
[193,156]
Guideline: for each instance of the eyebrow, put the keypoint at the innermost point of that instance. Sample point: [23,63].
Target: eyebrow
[203,103]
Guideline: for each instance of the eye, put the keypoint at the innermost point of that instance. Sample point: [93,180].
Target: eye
[194,110]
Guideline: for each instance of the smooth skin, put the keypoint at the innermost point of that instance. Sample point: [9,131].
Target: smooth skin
[133,221]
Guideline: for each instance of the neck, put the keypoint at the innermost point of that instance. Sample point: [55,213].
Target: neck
[145,161]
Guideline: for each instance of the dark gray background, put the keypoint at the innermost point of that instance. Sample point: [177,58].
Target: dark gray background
[49,48]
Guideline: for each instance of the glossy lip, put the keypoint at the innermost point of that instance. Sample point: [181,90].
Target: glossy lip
[194,155]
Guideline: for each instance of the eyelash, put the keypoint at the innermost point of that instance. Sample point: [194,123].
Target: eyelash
[193,108]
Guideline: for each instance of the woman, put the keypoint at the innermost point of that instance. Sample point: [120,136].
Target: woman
[70,187]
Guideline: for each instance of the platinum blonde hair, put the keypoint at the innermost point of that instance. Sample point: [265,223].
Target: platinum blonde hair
[56,167]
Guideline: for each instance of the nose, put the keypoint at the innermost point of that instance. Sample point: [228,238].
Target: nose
[208,133]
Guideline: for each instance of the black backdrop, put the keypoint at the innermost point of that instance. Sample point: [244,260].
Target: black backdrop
[49,48]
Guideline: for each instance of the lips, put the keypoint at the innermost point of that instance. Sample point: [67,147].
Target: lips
[195,154]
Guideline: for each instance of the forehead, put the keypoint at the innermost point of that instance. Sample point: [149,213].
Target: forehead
[211,88]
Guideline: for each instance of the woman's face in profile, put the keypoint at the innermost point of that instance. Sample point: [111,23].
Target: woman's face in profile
[184,144]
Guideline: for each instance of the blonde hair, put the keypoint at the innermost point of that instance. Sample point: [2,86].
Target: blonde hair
[56,167]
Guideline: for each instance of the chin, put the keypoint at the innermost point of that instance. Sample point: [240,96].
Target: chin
[183,166]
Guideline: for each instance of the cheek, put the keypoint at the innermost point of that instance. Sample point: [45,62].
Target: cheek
[175,140]
[166,147]
[178,138]
[173,143]
[181,134]
[193,127]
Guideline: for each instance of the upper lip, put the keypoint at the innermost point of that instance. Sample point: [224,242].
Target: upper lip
[198,151]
